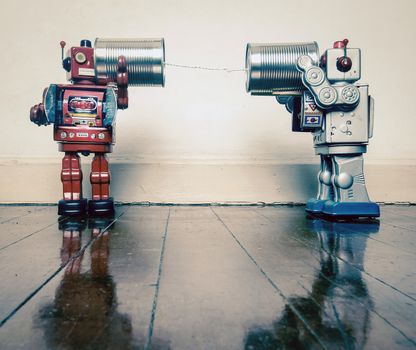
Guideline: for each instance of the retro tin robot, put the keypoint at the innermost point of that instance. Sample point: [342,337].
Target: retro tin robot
[83,112]
[325,99]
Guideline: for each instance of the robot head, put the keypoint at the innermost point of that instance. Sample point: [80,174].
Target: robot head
[342,63]
[80,62]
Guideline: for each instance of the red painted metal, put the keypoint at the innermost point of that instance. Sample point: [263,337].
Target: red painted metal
[71,176]
[82,72]
[81,86]
[83,134]
[79,120]
[341,44]
[37,114]
[122,83]
[90,148]
[100,177]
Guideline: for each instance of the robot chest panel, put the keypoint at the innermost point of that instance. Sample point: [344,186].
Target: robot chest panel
[83,108]
[346,126]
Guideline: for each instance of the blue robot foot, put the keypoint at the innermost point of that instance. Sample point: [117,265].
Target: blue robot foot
[101,207]
[350,210]
[72,207]
[315,206]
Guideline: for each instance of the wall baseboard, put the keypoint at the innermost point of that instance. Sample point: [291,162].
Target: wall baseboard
[202,184]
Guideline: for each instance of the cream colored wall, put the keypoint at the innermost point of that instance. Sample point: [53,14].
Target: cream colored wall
[206,116]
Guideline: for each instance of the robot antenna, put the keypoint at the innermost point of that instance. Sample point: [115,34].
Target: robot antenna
[62,44]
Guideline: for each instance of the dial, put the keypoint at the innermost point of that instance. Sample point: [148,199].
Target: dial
[80,57]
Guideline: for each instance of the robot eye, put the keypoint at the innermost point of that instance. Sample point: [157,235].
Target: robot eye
[80,57]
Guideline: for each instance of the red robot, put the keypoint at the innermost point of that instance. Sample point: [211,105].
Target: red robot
[83,112]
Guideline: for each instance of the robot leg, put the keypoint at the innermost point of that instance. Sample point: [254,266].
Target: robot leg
[101,204]
[325,190]
[71,176]
[350,193]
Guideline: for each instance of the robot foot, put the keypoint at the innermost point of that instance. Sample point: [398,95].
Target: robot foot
[72,207]
[351,210]
[315,206]
[101,207]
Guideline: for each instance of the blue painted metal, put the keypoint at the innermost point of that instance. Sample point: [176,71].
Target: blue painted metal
[351,209]
[315,206]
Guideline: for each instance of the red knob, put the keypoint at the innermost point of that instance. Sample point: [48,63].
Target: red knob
[344,64]
[341,44]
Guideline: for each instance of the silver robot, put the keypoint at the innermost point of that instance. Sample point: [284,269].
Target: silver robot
[325,99]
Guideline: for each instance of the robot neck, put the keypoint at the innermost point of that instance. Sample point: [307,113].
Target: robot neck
[84,82]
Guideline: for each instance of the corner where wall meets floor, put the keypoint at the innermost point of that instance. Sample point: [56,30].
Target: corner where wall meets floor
[33,182]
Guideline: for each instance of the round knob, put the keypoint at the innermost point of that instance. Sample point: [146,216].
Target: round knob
[341,44]
[327,96]
[314,76]
[344,64]
[350,94]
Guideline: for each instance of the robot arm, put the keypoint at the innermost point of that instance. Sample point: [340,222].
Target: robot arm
[122,83]
[325,94]
[37,113]
[370,116]
[44,112]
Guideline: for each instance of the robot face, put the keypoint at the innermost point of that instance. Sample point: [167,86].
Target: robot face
[343,64]
[82,62]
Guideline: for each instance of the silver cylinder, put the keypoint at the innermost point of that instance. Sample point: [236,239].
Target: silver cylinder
[145,60]
[272,67]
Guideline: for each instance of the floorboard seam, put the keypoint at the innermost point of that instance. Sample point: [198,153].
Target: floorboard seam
[358,232]
[401,227]
[21,216]
[356,268]
[362,304]
[339,325]
[352,265]
[56,272]
[310,248]
[33,233]
[273,284]
[157,287]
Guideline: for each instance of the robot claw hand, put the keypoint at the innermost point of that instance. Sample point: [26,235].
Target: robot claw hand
[38,115]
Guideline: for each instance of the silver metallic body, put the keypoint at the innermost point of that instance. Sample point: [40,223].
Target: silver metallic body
[287,71]
[145,60]
[347,126]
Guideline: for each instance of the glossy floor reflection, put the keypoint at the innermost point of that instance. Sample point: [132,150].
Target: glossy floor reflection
[206,278]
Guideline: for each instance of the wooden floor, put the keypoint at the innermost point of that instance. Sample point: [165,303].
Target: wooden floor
[206,278]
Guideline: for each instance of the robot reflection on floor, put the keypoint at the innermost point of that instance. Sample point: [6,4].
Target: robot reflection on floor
[323,98]
[83,112]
